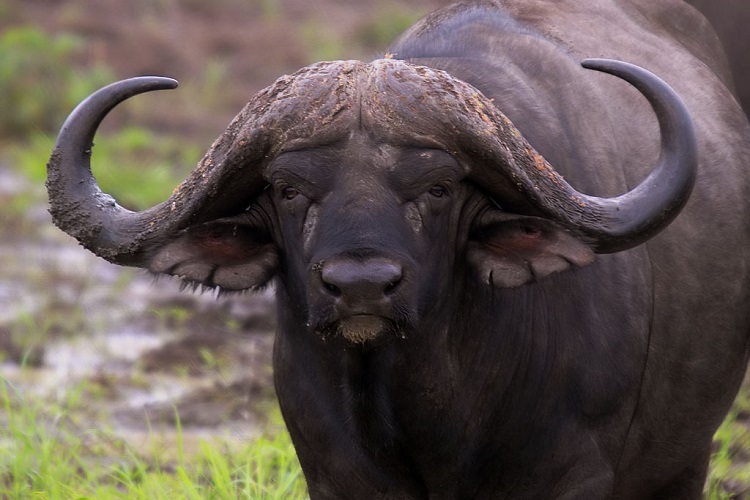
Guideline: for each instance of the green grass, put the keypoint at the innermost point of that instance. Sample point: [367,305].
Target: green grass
[729,471]
[39,80]
[46,453]
[389,21]
[138,167]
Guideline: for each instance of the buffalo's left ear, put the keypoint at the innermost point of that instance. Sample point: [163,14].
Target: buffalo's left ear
[231,254]
[509,250]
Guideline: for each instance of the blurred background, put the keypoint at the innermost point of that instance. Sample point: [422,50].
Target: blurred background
[86,345]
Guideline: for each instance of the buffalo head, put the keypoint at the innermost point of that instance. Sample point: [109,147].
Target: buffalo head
[369,189]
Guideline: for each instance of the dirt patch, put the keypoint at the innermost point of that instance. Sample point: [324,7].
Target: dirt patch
[13,351]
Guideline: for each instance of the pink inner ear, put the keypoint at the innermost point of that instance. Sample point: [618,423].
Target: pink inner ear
[227,255]
[523,239]
[228,244]
[223,250]
[514,252]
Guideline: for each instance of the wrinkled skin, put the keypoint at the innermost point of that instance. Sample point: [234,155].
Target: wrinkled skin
[436,341]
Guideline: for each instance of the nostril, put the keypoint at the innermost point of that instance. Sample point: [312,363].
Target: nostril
[332,289]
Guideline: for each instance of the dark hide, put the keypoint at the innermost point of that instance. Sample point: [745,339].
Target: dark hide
[730,19]
[440,335]
[601,382]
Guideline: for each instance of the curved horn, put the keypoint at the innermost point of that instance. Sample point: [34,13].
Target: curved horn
[313,102]
[77,204]
[635,216]
[80,208]
[418,104]
[622,222]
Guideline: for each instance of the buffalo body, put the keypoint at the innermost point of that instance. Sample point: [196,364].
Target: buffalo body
[731,19]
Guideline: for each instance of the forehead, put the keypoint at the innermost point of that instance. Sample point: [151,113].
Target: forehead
[393,101]
[359,154]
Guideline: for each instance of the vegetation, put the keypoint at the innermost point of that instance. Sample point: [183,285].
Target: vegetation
[39,83]
[137,166]
[389,22]
[45,453]
[729,472]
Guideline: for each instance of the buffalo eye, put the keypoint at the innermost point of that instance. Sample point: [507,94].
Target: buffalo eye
[438,191]
[289,193]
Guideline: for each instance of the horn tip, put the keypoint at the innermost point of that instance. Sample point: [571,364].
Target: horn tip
[157,82]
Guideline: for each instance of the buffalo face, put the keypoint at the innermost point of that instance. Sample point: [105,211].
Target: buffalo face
[366,228]
[374,238]
[373,192]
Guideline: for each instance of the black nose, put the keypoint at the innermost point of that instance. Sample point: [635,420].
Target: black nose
[361,282]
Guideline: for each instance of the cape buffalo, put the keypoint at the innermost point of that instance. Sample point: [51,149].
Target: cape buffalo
[457,319]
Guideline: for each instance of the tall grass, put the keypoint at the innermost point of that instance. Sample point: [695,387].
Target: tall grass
[729,471]
[45,453]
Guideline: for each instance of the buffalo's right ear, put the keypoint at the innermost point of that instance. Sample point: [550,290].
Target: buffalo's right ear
[509,250]
[231,254]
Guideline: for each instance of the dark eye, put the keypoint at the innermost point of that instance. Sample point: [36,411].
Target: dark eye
[438,191]
[289,193]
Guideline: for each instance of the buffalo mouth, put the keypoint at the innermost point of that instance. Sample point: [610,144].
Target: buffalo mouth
[360,328]
[363,329]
